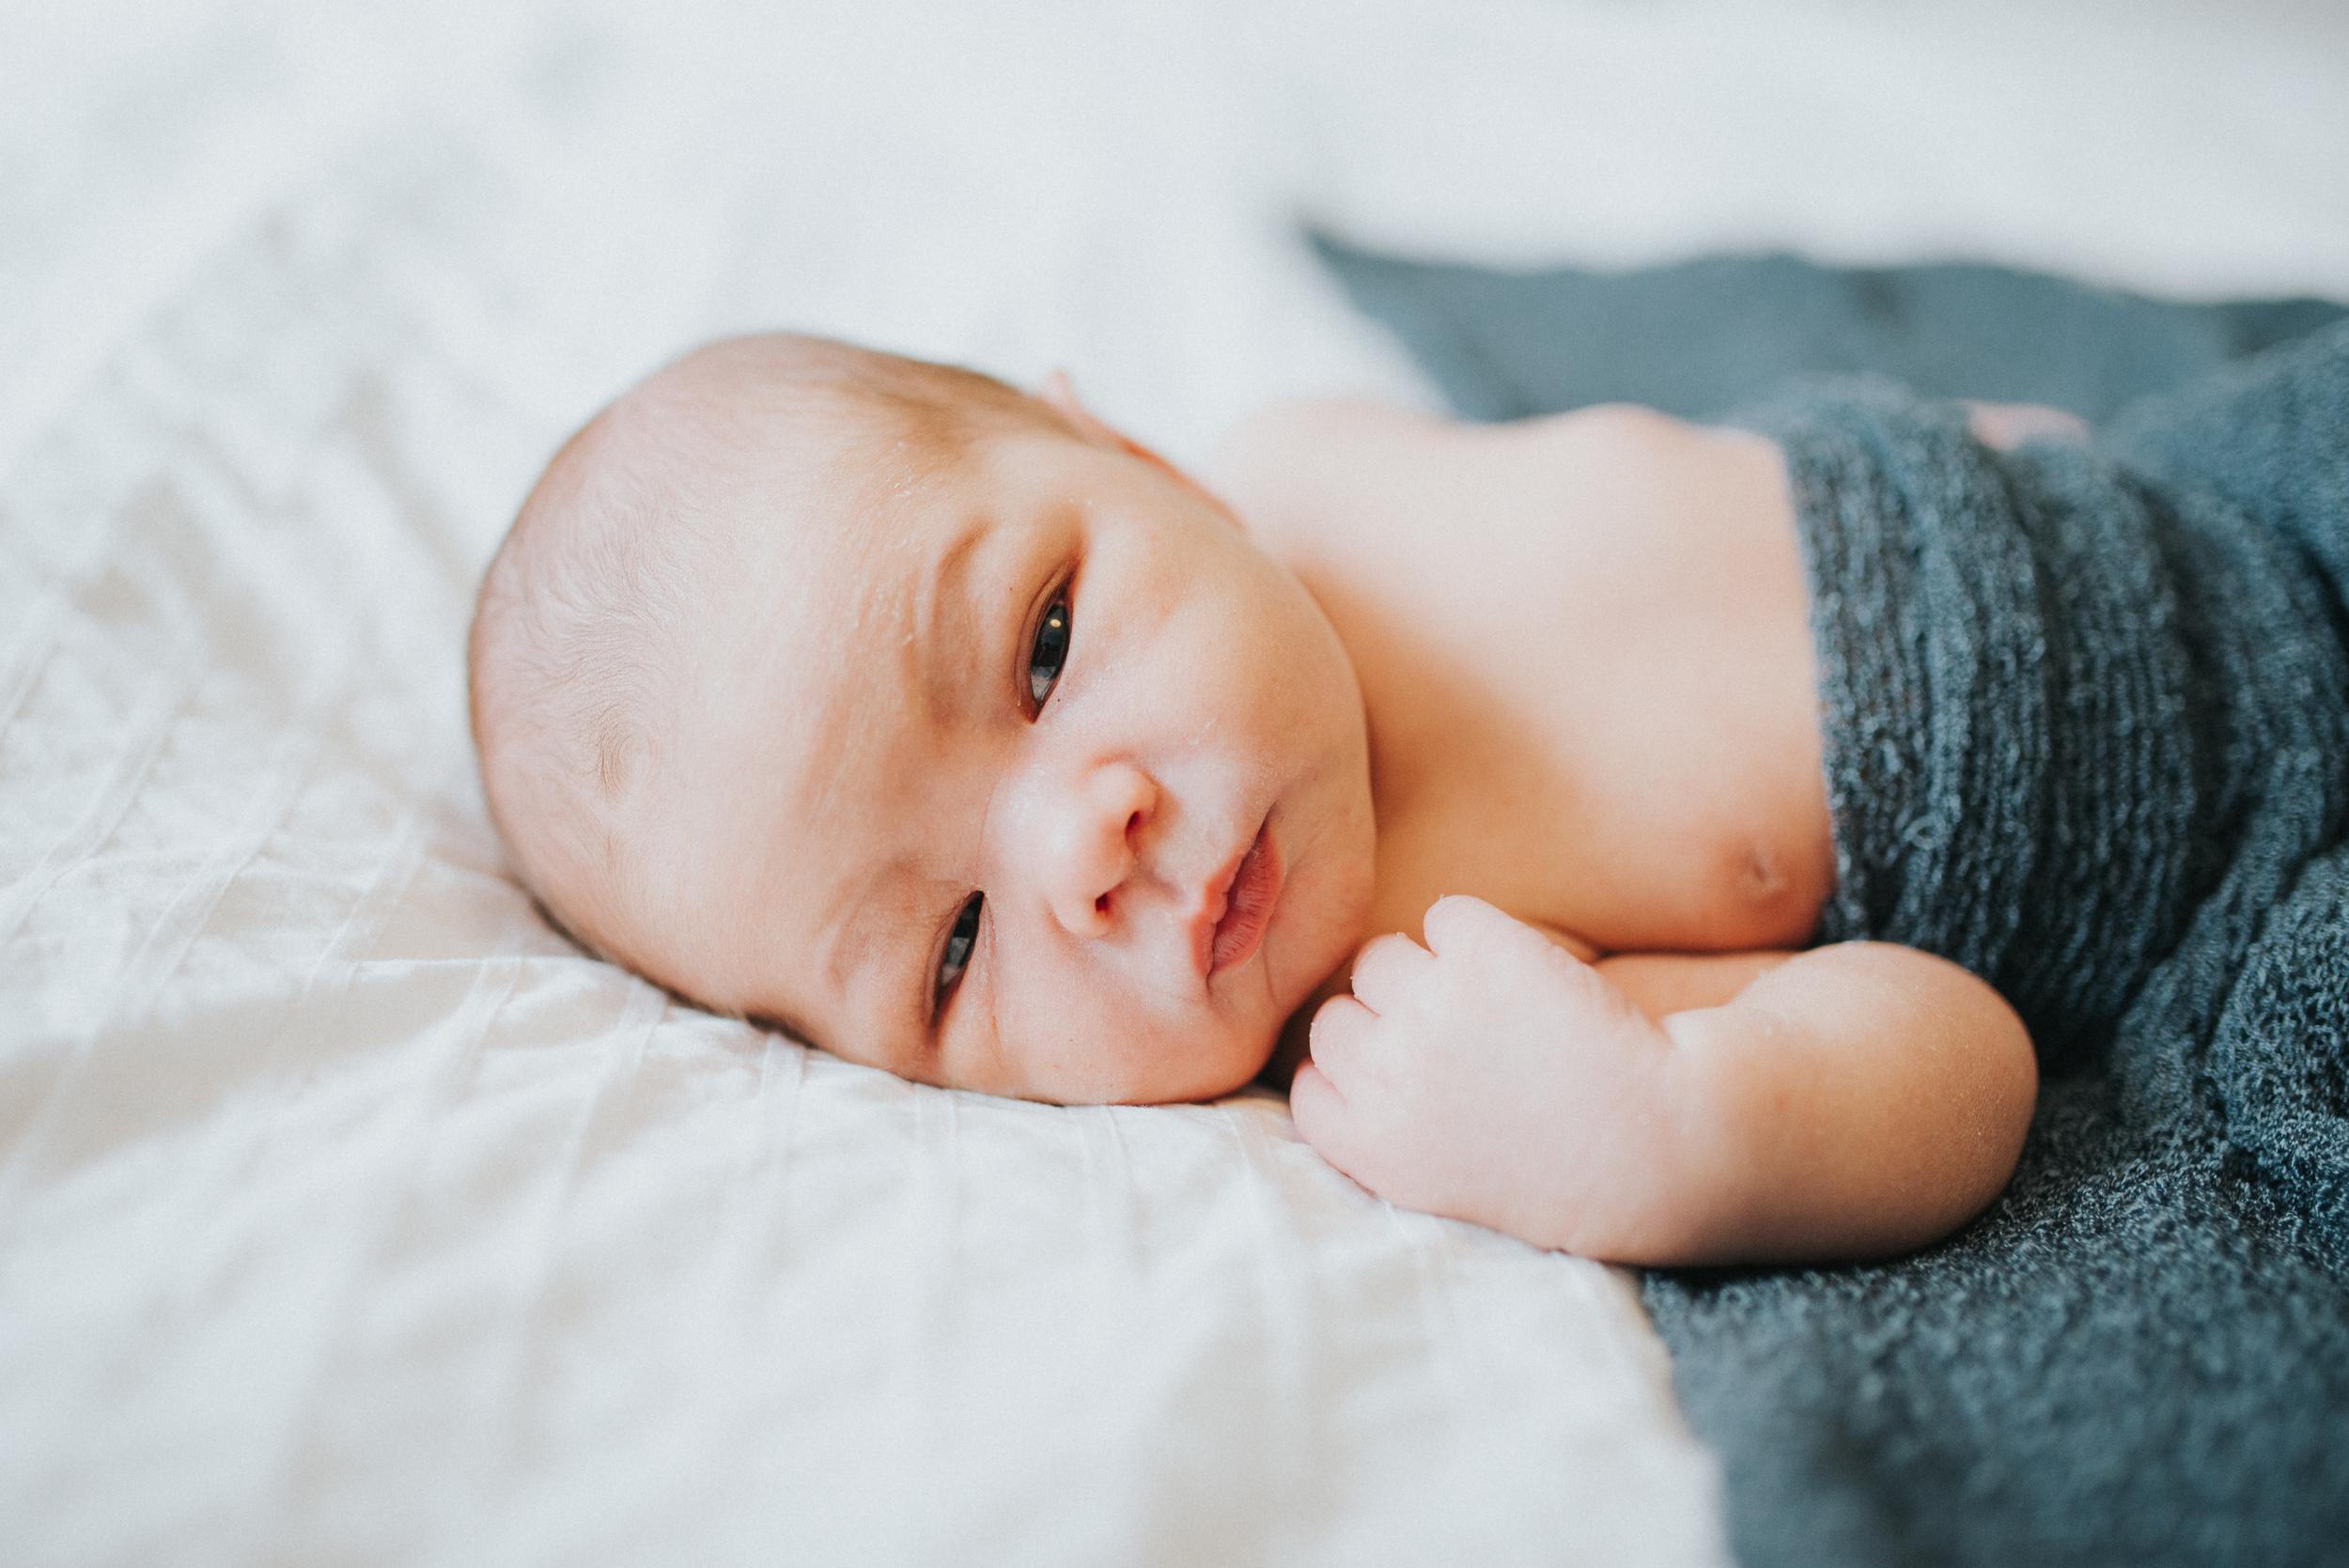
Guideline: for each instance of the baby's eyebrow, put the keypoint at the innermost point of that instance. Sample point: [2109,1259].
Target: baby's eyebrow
[942,597]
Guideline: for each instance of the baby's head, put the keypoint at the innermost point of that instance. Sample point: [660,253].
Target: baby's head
[937,723]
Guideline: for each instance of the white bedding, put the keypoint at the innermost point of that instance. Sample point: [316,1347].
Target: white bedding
[346,1214]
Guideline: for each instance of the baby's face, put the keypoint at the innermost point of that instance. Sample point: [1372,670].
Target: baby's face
[1027,773]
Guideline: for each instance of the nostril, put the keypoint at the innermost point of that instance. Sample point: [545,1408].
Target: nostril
[1102,905]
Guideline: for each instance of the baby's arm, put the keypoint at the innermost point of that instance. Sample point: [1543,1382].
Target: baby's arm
[2008,425]
[1851,1101]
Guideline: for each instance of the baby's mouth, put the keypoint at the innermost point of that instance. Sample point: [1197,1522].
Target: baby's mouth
[1247,906]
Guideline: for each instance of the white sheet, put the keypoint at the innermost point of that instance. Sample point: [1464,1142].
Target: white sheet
[345,1213]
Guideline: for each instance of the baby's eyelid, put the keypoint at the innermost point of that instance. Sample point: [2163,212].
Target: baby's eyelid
[1063,595]
[942,991]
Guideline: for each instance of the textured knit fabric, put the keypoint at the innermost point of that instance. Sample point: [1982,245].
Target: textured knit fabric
[2087,732]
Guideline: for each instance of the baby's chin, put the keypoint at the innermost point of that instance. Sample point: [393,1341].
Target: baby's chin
[1255,1061]
[1225,1068]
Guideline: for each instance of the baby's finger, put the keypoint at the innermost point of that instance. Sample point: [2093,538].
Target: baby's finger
[1387,967]
[1340,1028]
[1462,922]
[1316,1106]
[1324,1120]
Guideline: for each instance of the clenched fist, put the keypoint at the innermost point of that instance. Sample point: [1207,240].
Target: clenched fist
[1493,1077]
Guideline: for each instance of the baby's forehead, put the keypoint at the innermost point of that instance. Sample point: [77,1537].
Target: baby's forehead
[809,649]
[819,575]
[796,818]
[844,618]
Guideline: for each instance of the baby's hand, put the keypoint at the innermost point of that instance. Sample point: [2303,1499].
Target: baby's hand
[1490,1076]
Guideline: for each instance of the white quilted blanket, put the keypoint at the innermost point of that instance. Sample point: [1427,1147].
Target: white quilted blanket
[347,1214]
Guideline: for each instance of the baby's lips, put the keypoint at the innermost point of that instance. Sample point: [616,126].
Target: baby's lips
[1248,906]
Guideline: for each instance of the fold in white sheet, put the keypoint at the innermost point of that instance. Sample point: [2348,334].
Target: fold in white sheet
[345,1213]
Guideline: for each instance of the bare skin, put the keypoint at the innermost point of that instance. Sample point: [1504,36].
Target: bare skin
[1038,769]
[1583,649]
[1024,772]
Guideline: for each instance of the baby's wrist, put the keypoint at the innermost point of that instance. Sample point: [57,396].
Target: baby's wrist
[1663,1170]
[1716,1124]
[1680,1195]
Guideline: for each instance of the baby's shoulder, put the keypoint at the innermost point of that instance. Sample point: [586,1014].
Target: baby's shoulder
[1330,477]
[1302,453]
[1359,443]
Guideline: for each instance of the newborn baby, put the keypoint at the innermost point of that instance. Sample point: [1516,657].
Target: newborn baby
[961,735]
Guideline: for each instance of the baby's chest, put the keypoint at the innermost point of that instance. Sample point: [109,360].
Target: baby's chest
[1652,871]
[1608,726]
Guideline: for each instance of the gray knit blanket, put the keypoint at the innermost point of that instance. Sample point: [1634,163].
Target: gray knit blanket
[2087,721]
[2086,715]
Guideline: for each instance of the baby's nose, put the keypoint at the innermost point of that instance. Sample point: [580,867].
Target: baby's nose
[1087,844]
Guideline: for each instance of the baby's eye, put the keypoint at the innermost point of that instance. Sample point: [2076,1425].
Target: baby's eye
[952,962]
[1051,651]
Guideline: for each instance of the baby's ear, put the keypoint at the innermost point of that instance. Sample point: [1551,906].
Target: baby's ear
[1055,393]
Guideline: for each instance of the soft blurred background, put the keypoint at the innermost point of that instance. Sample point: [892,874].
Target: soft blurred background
[1119,187]
[346,1214]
